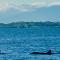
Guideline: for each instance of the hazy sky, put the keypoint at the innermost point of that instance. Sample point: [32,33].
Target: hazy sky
[29,10]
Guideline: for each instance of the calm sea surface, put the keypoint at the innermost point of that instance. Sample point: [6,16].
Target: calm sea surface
[18,43]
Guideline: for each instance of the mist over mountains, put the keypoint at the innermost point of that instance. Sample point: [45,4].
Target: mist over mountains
[30,24]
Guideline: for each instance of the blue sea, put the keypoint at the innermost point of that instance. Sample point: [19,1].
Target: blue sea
[18,43]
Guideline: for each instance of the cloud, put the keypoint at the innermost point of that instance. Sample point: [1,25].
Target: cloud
[45,4]
[54,4]
[22,7]
[3,7]
[38,4]
[26,7]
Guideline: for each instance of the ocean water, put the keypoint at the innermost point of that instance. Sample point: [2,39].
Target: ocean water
[18,43]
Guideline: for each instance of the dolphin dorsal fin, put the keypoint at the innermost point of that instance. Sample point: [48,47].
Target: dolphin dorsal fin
[49,52]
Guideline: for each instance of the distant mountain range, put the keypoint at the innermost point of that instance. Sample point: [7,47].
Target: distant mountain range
[30,24]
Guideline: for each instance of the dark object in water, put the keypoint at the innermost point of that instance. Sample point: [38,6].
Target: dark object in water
[42,53]
[2,53]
